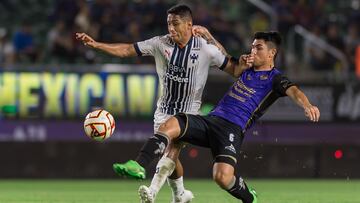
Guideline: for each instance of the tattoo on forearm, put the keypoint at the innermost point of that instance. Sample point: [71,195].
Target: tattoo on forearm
[213,41]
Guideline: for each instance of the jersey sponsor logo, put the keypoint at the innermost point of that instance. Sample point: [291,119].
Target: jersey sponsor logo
[237,89]
[177,78]
[176,69]
[235,96]
[241,84]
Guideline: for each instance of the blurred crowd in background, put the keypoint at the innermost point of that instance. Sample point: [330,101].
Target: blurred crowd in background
[42,31]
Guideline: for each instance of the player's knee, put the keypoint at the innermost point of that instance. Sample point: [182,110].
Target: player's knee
[223,178]
[170,128]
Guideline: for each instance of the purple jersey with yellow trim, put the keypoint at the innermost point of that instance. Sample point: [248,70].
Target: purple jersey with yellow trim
[251,95]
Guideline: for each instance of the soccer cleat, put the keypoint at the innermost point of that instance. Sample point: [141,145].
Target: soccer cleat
[253,192]
[184,197]
[146,195]
[130,169]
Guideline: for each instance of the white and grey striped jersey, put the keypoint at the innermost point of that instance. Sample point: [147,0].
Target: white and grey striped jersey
[182,71]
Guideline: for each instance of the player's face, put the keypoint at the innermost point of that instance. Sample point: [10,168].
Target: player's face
[261,52]
[178,27]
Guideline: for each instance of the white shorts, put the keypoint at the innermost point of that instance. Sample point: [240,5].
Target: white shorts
[160,118]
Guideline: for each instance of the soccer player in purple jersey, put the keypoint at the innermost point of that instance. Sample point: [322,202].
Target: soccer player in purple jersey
[255,90]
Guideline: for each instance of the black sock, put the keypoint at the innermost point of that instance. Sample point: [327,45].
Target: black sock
[153,148]
[241,191]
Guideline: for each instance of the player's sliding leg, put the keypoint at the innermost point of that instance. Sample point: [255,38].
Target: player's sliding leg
[240,190]
[223,174]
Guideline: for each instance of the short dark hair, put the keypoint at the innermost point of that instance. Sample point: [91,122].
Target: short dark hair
[181,10]
[271,36]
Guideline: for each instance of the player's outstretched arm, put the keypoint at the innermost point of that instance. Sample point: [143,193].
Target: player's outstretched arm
[118,49]
[312,112]
[235,66]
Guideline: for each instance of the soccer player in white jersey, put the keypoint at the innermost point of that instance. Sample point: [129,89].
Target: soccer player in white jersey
[182,63]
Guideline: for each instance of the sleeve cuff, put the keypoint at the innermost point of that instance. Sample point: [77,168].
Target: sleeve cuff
[224,63]
[136,46]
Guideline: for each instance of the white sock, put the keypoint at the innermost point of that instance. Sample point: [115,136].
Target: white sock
[177,185]
[164,168]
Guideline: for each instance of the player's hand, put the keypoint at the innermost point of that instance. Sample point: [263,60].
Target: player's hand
[246,60]
[86,40]
[201,31]
[312,112]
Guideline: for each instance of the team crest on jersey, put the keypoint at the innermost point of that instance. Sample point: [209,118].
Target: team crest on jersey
[194,57]
[248,77]
[264,77]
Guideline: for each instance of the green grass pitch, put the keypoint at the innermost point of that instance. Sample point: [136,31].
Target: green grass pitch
[205,191]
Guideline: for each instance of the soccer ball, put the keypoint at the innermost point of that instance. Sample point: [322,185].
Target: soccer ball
[99,125]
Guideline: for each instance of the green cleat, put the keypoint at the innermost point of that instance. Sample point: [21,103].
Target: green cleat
[253,192]
[131,169]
